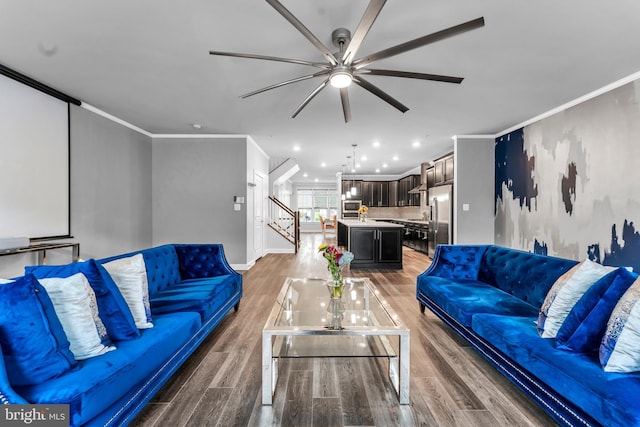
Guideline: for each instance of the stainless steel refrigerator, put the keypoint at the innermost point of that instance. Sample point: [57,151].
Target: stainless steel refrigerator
[441,217]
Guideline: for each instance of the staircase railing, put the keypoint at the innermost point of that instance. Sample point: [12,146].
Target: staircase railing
[285,221]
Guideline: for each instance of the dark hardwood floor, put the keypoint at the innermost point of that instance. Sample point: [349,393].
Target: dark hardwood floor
[451,385]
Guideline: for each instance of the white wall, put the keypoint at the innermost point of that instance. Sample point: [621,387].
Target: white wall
[474,187]
[275,242]
[257,167]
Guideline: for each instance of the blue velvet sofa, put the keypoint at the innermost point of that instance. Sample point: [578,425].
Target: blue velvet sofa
[191,289]
[491,296]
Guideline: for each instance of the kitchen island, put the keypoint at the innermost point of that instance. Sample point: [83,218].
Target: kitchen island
[416,233]
[374,244]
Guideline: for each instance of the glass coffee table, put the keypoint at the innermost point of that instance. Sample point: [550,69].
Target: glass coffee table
[305,322]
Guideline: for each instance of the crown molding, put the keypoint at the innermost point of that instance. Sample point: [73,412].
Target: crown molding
[608,88]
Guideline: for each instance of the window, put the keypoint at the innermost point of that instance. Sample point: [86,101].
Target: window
[314,202]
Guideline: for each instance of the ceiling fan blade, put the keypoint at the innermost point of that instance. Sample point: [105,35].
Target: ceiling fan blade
[410,75]
[270,58]
[287,82]
[419,42]
[310,97]
[380,93]
[369,17]
[304,30]
[344,97]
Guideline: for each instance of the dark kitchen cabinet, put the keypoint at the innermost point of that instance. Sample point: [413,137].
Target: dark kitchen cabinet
[342,235]
[376,247]
[390,246]
[347,184]
[367,193]
[415,234]
[448,169]
[380,193]
[404,186]
[403,192]
[375,193]
[442,171]
[438,169]
[393,194]
[431,177]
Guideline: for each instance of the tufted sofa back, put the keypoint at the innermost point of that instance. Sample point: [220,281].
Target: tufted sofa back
[525,275]
[162,267]
[161,263]
[201,260]
[456,261]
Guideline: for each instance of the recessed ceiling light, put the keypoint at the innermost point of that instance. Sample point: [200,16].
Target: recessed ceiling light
[376,144]
[305,174]
[395,158]
[296,148]
[384,165]
[416,144]
[197,126]
[377,170]
[323,164]
[316,180]
[363,158]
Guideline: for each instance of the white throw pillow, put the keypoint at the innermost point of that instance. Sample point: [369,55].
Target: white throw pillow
[130,274]
[5,281]
[564,294]
[76,307]
[620,347]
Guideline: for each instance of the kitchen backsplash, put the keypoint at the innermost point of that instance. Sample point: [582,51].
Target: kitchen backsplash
[408,212]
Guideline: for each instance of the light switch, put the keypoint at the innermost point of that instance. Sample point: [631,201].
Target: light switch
[238,199]
[237,206]
[465,207]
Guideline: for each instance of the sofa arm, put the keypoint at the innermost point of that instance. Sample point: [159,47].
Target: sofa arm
[202,260]
[456,261]
[7,394]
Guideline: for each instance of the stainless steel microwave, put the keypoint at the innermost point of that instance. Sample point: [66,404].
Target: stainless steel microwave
[351,205]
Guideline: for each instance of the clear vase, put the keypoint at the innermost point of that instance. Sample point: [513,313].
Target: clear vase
[336,286]
[336,313]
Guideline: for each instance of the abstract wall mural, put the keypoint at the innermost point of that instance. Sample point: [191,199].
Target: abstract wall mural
[569,185]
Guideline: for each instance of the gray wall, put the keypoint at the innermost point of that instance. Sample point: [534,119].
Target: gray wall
[110,186]
[473,186]
[194,182]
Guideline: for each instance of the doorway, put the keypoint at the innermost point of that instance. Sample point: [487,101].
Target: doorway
[259,196]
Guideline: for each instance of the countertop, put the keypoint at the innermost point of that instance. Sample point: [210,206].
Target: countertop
[405,220]
[353,223]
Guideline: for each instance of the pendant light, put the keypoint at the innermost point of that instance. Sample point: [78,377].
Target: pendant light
[353,170]
[346,194]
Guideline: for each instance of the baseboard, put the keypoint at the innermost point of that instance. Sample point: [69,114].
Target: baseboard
[280,251]
[243,267]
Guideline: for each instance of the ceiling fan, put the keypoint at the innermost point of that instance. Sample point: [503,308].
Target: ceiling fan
[343,68]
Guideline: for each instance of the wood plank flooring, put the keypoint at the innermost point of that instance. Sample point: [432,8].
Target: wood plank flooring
[451,385]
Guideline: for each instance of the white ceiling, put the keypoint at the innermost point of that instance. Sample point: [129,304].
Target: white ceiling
[147,62]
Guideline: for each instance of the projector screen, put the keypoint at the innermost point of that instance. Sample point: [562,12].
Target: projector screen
[34,162]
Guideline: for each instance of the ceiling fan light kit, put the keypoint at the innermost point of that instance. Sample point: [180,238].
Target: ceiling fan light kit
[341,69]
[340,78]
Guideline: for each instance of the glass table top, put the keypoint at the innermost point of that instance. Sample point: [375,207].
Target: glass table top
[302,312]
[306,303]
